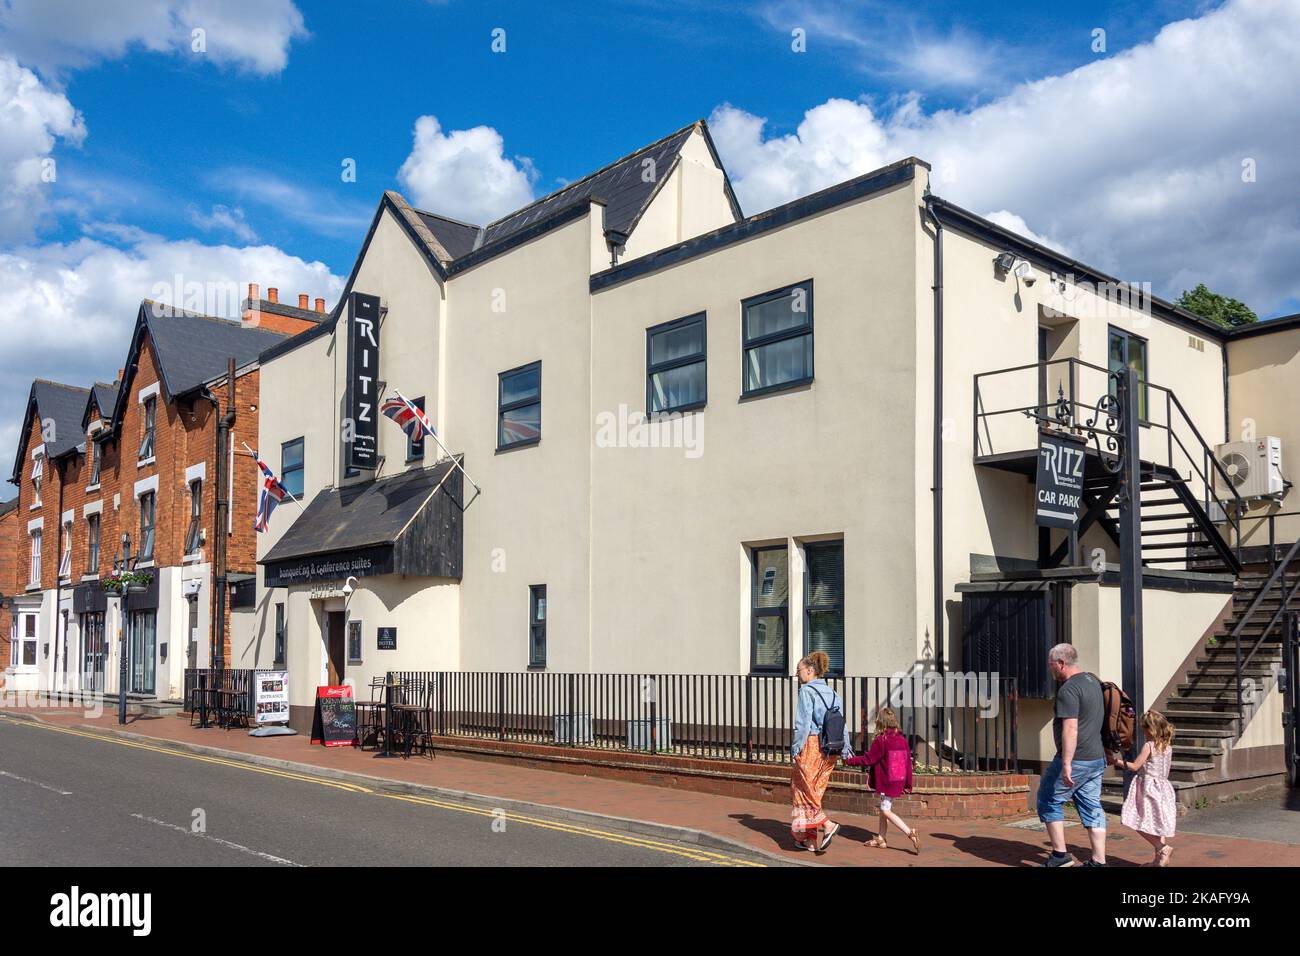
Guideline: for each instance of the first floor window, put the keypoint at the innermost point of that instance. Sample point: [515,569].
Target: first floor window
[196,516]
[29,640]
[1126,350]
[65,559]
[676,366]
[769,607]
[38,472]
[537,625]
[354,641]
[519,406]
[778,338]
[279,634]
[145,550]
[92,544]
[823,596]
[291,466]
[36,558]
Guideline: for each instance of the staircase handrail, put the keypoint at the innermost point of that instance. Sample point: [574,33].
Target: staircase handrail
[1279,574]
[1239,506]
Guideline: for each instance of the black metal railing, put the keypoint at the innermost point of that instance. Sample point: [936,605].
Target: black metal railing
[238,681]
[1283,581]
[1068,391]
[954,725]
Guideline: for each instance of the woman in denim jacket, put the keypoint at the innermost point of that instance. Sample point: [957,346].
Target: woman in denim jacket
[812,769]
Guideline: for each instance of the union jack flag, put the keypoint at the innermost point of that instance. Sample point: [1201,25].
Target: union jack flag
[271,494]
[408,417]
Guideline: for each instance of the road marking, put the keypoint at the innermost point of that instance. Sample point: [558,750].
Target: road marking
[36,783]
[645,843]
[217,840]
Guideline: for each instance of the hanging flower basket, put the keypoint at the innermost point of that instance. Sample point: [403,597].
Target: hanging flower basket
[132,582]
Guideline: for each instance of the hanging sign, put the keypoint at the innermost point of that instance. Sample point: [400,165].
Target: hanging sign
[271,697]
[335,722]
[1058,495]
[361,421]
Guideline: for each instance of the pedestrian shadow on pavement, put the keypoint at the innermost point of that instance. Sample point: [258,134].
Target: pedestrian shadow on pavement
[779,832]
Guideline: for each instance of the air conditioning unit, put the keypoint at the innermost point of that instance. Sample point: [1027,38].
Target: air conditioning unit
[1254,467]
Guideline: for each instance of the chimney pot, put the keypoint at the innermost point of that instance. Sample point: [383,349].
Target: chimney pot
[252,290]
[119,374]
[320,305]
[302,300]
[273,293]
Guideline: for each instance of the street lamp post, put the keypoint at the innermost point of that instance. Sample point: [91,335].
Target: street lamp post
[125,565]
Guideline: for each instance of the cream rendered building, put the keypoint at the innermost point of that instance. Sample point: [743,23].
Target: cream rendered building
[818,420]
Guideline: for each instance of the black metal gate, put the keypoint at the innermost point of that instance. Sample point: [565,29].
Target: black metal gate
[1291,696]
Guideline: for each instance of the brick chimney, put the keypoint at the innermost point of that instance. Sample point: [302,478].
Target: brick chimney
[273,293]
[272,320]
[320,305]
[302,300]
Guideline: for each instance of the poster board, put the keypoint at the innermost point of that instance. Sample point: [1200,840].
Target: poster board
[335,721]
[271,697]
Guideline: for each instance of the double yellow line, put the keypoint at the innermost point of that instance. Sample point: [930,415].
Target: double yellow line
[696,854]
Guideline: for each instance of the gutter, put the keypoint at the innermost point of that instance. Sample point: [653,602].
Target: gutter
[937,453]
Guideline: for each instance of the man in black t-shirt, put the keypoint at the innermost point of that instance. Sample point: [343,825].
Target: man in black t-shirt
[1076,772]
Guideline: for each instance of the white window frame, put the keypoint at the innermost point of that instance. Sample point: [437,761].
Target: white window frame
[142,398]
[34,537]
[38,475]
[20,639]
[65,559]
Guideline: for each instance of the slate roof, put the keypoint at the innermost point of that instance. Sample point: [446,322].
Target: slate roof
[193,349]
[62,403]
[8,506]
[104,396]
[458,238]
[359,516]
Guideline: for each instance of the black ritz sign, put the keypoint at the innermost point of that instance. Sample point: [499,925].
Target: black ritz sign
[1059,492]
[388,639]
[361,423]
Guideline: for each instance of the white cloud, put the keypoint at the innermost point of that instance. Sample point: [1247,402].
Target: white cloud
[465,173]
[224,218]
[317,208]
[32,119]
[1135,162]
[66,310]
[55,35]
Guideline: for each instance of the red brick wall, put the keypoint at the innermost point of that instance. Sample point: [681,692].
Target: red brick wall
[8,578]
[49,511]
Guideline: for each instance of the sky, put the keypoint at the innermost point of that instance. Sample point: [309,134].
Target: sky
[179,149]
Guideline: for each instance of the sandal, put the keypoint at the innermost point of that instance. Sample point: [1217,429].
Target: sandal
[916,841]
[878,842]
[1162,858]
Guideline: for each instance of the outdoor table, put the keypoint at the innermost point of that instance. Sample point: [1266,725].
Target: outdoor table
[389,686]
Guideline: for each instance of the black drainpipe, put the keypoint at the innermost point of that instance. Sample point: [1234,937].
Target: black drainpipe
[216,645]
[937,489]
[58,585]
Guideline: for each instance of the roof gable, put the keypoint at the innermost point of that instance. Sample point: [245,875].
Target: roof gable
[62,406]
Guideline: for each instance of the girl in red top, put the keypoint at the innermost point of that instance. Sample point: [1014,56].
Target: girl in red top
[890,763]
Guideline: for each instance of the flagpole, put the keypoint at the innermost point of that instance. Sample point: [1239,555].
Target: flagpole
[252,454]
[434,435]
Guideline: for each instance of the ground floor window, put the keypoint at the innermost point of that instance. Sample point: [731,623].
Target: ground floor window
[28,640]
[94,650]
[824,601]
[354,642]
[279,634]
[537,625]
[769,602]
[143,644]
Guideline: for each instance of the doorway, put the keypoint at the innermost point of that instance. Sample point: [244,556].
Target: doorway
[334,647]
[94,650]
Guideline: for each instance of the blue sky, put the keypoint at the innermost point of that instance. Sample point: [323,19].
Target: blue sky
[1165,149]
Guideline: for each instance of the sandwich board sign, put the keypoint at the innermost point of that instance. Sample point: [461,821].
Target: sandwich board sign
[335,722]
[1058,493]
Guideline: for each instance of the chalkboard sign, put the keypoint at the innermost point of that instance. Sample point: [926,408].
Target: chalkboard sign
[335,722]
[388,639]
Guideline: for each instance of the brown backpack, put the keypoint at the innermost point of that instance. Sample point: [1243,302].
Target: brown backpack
[1121,716]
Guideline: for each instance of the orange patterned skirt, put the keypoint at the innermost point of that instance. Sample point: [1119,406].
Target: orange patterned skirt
[808,782]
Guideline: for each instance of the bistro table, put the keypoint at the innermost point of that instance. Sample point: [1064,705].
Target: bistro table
[388,751]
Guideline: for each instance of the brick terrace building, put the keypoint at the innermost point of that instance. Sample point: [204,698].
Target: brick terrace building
[131,482]
[8,576]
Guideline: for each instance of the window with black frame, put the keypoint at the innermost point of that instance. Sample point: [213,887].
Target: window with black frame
[676,366]
[769,609]
[291,466]
[823,596]
[778,339]
[147,437]
[279,634]
[1126,350]
[354,642]
[92,544]
[519,407]
[537,625]
[145,551]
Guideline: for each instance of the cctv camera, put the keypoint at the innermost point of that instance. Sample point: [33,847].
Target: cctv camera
[1025,273]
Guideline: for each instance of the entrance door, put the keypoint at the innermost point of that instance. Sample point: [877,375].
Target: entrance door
[334,646]
[143,646]
[93,650]
[192,650]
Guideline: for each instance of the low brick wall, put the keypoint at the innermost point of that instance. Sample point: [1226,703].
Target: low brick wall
[948,796]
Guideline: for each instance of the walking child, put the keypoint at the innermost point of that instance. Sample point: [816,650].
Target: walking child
[890,763]
[1150,807]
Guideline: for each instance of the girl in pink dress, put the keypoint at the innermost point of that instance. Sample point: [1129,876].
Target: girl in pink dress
[1150,807]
